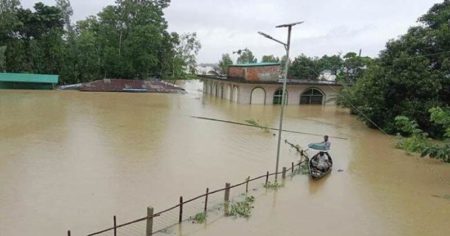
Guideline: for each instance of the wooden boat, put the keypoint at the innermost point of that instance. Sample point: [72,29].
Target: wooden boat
[314,171]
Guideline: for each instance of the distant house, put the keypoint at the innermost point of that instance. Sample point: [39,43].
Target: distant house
[206,70]
[27,81]
[327,75]
[261,83]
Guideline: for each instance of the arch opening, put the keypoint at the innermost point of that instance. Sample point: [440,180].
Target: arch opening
[312,96]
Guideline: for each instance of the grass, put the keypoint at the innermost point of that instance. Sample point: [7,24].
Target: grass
[199,218]
[255,123]
[274,185]
[242,208]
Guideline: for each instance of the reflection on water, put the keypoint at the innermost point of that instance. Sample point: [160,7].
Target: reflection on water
[71,160]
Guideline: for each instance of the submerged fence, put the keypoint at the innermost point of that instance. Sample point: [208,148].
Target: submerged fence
[180,208]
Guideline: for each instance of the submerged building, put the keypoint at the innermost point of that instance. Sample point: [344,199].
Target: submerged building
[261,83]
[27,81]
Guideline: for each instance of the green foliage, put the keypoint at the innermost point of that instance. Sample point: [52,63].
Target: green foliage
[274,185]
[303,168]
[256,123]
[270,58]
[442,117]
[199,218]
[347,69]
[353,67]
[410,77]
[225,62]
[186,52]
[126,40]
[242,208]
[417,141]
[408,126]
[441,152]
[2,58]
[246,57]
[304,67]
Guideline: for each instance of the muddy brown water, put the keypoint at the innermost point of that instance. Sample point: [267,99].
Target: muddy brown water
[72,160]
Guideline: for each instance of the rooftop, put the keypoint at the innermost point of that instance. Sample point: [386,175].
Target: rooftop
[257,64]
[28,78]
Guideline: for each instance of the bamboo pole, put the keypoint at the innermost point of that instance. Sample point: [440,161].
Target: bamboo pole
[180,218]
[115,225]
[149,227]
[206,200]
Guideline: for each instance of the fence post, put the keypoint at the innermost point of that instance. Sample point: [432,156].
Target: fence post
[246,185]
[181,210]
[206,200]
[149,228]
[292,166]
[227,192]
[283,175]
[227,197]
[115,226]
[68,233]
[267,178]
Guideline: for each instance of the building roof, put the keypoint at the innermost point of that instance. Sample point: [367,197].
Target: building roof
[28,78]
[289,81]
[257,64]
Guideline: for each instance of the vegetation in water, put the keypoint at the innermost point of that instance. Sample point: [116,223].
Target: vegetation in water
[242,208]
[410,77]
[274,185]
[413,140]
[199,218]
[303,168]
[256,123]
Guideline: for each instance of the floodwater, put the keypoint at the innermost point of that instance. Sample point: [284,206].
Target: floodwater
[72,160]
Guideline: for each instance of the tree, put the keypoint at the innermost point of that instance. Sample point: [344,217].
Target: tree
[270,58]
[304,67]
[246,57]
[2,58]
[410,77]
[333,63]
[66,10]
[8,19]
[225,62]
[128,39]
[416,140]
[352,67]
[187,50]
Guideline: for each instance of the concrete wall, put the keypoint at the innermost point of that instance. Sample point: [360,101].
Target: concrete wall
[242,92]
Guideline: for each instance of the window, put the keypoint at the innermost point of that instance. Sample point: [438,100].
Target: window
[278,95]
[312,96]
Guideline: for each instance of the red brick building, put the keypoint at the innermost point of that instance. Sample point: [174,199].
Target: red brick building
[255,72]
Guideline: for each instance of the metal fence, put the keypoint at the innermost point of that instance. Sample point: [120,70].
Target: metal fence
[186,208]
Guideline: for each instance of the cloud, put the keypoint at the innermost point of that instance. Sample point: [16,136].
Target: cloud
[331,26]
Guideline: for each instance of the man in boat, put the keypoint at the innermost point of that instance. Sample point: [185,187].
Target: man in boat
[326,143]
[321,162]
[323,146]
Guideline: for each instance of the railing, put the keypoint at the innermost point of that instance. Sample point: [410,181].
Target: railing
[151,216]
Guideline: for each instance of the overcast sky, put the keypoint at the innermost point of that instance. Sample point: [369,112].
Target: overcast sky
[331,26]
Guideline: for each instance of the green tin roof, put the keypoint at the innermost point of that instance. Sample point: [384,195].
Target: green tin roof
[258,64]
[29,78]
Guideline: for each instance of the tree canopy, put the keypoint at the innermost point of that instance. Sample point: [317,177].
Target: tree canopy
[126,40]
[225,62]
[411,76]
[246,56]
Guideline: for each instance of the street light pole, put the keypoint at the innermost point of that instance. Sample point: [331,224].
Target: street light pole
[285,73]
